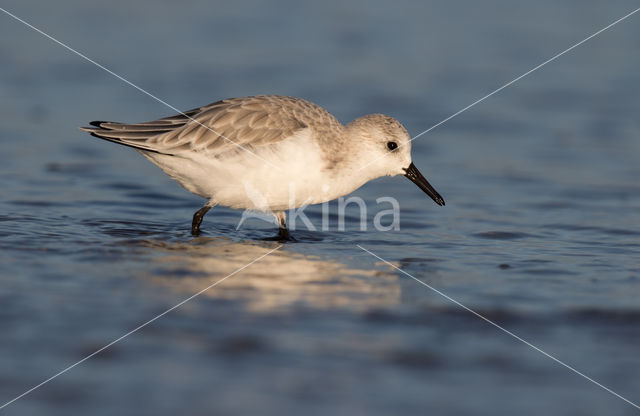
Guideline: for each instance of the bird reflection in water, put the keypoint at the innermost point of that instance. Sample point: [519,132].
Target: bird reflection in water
[280,279]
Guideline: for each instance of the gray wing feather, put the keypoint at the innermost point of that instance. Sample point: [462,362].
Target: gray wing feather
[219,127]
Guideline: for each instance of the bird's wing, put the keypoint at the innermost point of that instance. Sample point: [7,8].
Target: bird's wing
[230,124]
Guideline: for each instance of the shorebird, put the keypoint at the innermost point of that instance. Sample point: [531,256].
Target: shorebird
[269,153]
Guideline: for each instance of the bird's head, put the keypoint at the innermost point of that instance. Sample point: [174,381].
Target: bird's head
[384,149]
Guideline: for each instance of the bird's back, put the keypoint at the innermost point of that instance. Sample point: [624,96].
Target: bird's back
[222,126]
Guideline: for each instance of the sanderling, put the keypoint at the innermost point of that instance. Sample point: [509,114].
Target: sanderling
[288,151]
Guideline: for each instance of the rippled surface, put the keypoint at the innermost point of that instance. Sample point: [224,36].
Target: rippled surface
[541,232]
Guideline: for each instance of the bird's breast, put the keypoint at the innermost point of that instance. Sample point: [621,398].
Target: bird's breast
[288,175]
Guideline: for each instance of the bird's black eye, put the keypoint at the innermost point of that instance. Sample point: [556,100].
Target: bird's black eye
[392,145]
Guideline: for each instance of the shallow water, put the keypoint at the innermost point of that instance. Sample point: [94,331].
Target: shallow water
[540,234]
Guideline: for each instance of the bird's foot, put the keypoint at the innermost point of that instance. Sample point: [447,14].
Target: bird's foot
[282,237]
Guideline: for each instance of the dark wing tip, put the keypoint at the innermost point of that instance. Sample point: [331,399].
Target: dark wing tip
[97,123]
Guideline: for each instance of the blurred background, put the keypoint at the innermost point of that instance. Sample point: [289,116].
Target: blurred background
[541,231]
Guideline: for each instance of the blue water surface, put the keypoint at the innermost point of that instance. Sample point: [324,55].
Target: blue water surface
[540,234]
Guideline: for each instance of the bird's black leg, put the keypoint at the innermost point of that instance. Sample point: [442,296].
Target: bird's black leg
[197,219]
[283,232]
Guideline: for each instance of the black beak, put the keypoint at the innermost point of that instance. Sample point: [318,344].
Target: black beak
[416,177]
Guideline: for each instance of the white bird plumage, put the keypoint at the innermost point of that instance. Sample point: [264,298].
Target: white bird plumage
[287,150]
